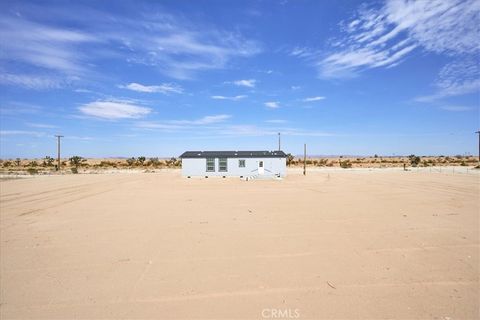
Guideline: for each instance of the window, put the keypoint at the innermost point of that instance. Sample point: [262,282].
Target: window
[260,164]
[210,165]
[222,164]
[241,163]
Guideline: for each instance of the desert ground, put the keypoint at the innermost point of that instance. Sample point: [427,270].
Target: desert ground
[335,244]
[78,164]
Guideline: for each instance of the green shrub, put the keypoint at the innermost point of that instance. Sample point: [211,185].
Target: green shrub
[131,161]
[32,171]
[290,159]
[141,160]
[77,161]
[414,160]
[74,170]
[33,164]
[153,162]
[107,164]
[48,161]
[345,164]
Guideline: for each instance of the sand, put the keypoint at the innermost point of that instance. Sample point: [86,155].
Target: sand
[331,245]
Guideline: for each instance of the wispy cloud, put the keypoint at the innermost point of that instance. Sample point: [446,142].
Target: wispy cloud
[169,44]
[250,83]
[233,98]
[43,46]
[218,126]
[82,138]
[17,108]
[182,125]
[456,108]
[162,88]
[41,125]
[276,121]
[182,52]
[303,52]
[21,132]
[311,99]
[28,81]
[114,110]
[385,36]
[205,120]
[456,78]
[272,104]
[254,131]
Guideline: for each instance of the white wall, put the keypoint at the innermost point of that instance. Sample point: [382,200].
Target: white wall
[198,167]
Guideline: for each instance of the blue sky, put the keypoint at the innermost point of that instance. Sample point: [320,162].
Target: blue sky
[156,79]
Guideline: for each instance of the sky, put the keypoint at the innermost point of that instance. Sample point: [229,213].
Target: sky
[155,79]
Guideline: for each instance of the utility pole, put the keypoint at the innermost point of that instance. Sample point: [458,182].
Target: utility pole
[279,145]
[305,159]
[478,132]
[58,151]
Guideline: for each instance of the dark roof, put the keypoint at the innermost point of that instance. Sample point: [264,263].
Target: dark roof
[233,154]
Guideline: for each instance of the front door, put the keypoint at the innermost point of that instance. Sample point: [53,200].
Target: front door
[261,169]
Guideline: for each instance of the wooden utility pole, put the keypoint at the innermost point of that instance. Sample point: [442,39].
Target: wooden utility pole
[305,159]
[279,145]
[58,151]
[478,132]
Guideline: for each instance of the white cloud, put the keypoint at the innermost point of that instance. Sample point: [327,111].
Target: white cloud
[456,78]
[456,108]
[183,125]
[234,98]
[215,125]
[43,46]
[29,81]
[205,120]
[16,108]
[295,87]
[254,131]
[311,99]
[272,104]
[41,125]
[276,121]
[302,52]
[162,88]
[21,132]
[181,52]
[159,126]
[83,138]
[169,44]
[114,110]
[384,37]
[213,119]
[250,83]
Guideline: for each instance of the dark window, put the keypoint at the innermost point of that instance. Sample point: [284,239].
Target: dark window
[260,164]
[241,163]
[210,164]
[222,164]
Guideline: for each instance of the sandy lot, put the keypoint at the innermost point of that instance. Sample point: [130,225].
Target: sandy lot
[332,245]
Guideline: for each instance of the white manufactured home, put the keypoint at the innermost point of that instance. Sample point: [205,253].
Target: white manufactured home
[234,163]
